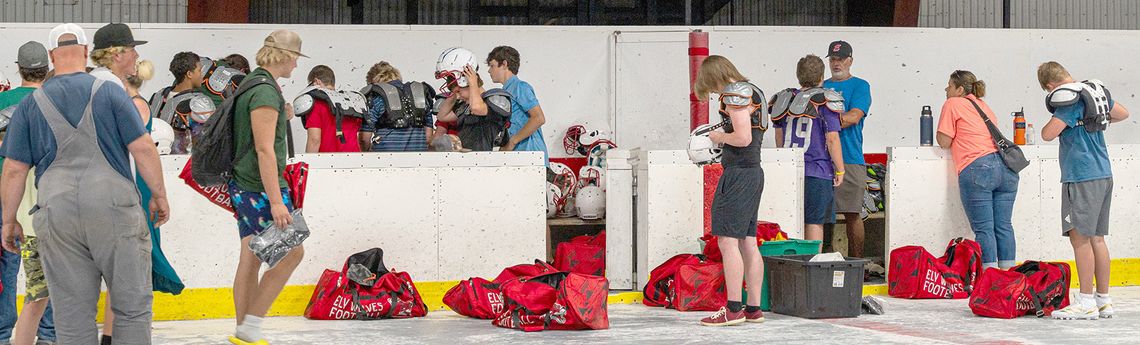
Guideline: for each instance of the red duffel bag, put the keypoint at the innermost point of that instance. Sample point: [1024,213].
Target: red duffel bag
[555,301]
[583,254]
[916,274]
[296,176]
[365,290]
[699,286]
[525,270]
[1032,288]
[658,292]
[482,299]
[686,282]
[475,297]
[964,258]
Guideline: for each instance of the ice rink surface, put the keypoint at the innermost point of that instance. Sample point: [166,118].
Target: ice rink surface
[905,322]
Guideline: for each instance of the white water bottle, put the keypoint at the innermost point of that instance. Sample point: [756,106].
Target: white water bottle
[1030,135]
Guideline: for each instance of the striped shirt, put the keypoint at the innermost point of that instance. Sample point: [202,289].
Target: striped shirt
[409,139]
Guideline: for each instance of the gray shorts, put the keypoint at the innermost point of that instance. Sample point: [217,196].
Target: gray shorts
[849,195]
[1085,206]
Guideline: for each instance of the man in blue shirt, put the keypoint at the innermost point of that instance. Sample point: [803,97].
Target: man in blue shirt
[527,117]
[857,104]
[1086,186]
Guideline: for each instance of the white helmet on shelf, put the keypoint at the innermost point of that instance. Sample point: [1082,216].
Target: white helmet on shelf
[591,203]
[591,175]
[450,66]
[567,184]
[703,150]
[163,136]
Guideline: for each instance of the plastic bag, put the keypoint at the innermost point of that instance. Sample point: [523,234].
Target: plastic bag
[273,244]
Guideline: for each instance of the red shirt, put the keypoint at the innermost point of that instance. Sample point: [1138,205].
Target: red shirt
[321,117]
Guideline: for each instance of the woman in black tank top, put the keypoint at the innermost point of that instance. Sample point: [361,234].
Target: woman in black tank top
[737,199]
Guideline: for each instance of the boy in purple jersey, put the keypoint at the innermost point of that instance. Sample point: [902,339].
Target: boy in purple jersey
[809,118]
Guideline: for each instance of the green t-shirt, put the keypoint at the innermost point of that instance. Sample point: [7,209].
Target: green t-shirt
[14,96]
[246,171]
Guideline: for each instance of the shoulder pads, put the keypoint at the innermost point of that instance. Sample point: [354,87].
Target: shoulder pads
[303,104]
[1064,95]
[834,100]
[499,99]
[780,103]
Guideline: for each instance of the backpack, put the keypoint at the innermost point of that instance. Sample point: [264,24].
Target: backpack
[1032,288]
[583,254]
[555,301]
[214,155]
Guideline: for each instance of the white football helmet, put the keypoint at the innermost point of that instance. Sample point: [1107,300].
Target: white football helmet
[553,200]
[591,203]
[567,184]
[450,66]
[591,175]
[703,150]
[163,136]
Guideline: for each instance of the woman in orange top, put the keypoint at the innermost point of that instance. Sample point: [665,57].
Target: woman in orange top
[988,188]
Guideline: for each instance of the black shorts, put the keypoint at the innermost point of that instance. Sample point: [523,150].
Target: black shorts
[736,203]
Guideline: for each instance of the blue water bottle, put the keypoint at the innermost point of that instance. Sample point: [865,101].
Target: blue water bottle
[926,127]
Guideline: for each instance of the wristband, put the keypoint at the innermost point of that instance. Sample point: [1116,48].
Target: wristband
[840,173]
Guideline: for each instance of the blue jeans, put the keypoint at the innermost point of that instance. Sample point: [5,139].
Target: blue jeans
[988,189]
[9,267]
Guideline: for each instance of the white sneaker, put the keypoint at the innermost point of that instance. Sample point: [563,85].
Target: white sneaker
[1106,311]
[1076,312]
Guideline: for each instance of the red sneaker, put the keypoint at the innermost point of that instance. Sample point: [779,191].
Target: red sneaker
[723,317]
[756,317]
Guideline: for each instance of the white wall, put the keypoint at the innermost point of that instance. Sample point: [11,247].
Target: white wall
[634,80]
[670,201]
[924,207]
[423,209]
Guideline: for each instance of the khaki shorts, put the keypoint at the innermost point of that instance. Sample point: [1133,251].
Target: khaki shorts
[36,287]
[849,195]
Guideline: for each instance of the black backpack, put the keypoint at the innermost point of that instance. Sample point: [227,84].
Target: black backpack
[212,160]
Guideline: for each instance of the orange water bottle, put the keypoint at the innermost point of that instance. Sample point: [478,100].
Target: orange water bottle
[1019,127]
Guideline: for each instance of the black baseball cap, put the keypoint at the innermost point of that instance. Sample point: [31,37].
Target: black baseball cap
[840,49]
[115,35]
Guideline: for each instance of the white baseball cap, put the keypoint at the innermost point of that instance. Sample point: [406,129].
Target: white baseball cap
[64,29]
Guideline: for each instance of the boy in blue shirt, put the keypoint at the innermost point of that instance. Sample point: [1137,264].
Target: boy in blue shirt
[527,117]
[1086,179]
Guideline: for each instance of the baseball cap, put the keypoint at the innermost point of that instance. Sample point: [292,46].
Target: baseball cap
[66,29]
[285,40]
[32,55]
[840,49]
[115,35]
